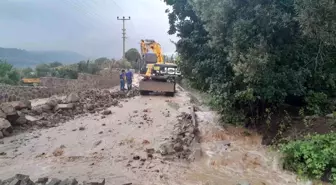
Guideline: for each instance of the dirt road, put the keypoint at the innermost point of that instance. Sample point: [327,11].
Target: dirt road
[115,147]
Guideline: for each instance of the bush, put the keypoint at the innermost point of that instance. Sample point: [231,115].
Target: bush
[312,157]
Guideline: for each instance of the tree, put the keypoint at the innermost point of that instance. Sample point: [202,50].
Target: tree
[28,73]
[8,74]
[133,56]
[101,61]
[254,54]
[55,64]
[43,70]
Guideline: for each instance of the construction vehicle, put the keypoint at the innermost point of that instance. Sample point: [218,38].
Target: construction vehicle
[31,81]
[155,71]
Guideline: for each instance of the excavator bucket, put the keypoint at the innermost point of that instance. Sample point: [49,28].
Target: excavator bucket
[148,86]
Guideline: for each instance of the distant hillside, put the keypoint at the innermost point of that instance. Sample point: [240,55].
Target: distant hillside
[24,58]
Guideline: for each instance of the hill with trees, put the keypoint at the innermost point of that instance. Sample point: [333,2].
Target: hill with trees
[24,58]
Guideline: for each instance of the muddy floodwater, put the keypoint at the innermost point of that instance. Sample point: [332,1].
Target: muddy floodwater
[96,147]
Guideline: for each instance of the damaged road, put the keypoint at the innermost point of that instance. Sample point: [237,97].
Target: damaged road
[97,134]
[111,137]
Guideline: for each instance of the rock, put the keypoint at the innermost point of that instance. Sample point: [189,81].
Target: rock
[89,107]
[150,150]
[42,180]
[178,147]
[58,151]
[330,116]
[64,106]
[94,183]
[136,157]
[21,120]
[72,98]
[37,110]
[69,182]
[19,105]
[8,109]
[5,127]
[31,119]
[46,108]
[15,182]
[166,149]
[54,181]
[19,179]
[243,183]
[52,102]
[107,112]
[97,143]
[81,128]
[2,114]
[1,135]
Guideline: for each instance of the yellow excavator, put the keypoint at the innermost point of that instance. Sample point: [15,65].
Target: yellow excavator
[155,71]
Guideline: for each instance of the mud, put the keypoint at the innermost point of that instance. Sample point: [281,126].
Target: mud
[123,147]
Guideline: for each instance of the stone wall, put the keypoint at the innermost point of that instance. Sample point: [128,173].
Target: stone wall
[58,86]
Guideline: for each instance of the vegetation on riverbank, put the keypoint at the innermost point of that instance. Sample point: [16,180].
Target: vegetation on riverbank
[269,65]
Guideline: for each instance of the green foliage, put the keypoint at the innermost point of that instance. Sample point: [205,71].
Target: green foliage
[28,73]
[8,74]
[133,56]
[250,55]
[317,103]
[312,157]
[43,70]
[124,64]
[88,67]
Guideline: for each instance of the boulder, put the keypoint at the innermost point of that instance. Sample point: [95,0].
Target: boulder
[18,179]
[37,110]
[54,181]
[31,119]
[8,109]
[21,120]
[166,148]
[52,102]
[72,98]
[5,127]
[19,105]
[94,183]
[64,106]
[42,180]
[107,112]
[69,182]
[2,114]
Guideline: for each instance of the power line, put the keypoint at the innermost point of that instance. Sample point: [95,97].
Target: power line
[123,19]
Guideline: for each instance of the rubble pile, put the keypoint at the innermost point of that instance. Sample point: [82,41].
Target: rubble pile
[22,115]
[185,134]
[20,179]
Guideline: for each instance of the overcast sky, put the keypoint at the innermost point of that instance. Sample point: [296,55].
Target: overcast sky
[89,27]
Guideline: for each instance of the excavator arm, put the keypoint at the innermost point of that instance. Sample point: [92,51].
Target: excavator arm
[151,45]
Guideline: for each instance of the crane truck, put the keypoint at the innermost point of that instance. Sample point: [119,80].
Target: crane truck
[155,71]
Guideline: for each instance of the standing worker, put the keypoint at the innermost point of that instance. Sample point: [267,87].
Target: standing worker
[129,78]
[122,80]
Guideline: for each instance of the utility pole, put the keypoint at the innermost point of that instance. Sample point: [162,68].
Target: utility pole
[124,32]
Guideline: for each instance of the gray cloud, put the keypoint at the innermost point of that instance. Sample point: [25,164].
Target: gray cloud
[89,27]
